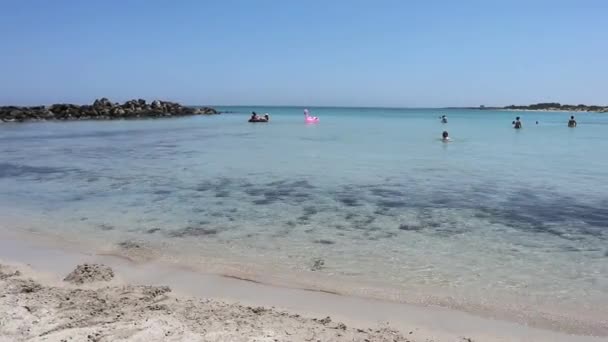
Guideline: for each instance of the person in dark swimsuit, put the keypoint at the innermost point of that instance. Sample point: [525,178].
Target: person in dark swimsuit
[517,123]
[572,122]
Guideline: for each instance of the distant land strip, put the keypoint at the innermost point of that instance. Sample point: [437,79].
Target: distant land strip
[548,106]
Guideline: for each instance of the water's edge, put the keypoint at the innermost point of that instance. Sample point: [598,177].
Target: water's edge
[39,246]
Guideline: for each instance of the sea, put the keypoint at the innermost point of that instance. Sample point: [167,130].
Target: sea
[367,202]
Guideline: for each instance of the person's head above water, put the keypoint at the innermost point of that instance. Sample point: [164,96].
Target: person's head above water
[444,135]
[572,117]
[517,118]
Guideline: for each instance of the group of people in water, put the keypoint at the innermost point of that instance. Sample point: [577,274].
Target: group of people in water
[256,118]
[445,137]
[517,123]
[266,117]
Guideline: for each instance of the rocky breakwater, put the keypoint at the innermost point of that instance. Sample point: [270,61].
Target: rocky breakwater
[101,109]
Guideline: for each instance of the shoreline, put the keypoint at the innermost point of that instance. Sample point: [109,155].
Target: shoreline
[438,322]
[530,311]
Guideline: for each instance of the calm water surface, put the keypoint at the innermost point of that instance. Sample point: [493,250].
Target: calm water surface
[369,201]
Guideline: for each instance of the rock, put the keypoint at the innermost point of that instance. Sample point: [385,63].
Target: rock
[102,103]
[318,264]
[324,321]
[258,310]
[27,286]
[88,273]
[152,292]
[156,104]
[101,109]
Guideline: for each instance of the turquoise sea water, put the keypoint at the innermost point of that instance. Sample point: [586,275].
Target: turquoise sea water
[368,201]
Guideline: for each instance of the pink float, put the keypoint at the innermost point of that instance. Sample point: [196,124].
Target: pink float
[308,118]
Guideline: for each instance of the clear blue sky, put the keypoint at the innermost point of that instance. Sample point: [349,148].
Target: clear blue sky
[340,52]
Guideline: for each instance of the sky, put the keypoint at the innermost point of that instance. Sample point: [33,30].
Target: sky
[308,53]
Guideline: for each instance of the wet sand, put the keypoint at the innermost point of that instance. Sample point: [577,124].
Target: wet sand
[152,302]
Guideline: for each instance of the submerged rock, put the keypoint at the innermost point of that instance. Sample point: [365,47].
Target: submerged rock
[317,265]
[88,273]
[101,109]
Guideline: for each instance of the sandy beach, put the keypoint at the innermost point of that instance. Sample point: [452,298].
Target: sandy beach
[42,298]
[32,309]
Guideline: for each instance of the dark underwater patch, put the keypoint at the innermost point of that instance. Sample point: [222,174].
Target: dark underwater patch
[16,170]
[410,227]
[222,194]
[262,201]
[325,242]
[193,232]
[386,193]
[546,212]
[106,227]
[350,216]
[303,219]
[279,191]
[391,204]
[348,201]
[218,185]
[309,210]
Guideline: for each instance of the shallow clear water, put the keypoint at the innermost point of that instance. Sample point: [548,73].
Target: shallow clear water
[497,215]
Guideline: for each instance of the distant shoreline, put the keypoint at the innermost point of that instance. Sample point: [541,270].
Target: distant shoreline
[553,110]
[544,107]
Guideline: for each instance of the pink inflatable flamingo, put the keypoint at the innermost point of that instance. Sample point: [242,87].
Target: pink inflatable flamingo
[308,118]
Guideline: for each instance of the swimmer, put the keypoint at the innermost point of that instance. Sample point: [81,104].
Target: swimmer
[572,122]
[445,136]
[517,123]
[444,119]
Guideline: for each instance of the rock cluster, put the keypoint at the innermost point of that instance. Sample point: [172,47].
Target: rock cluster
[101,109]
[89,273]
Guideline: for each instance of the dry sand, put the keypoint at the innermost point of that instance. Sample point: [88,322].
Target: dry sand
[92,310]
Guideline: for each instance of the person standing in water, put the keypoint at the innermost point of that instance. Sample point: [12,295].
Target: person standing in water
[445,136]
[572,122]
[517,123]
[444,119]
